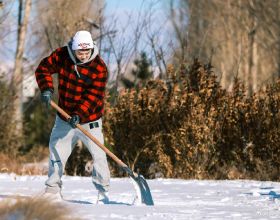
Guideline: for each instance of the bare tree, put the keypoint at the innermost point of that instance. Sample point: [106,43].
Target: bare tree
[158,40]
[240,38]
[6,26]
[59,20]
[142,31]
[123,45]
[16,83]
[177,18]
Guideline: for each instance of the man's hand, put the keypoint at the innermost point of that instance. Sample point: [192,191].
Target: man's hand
[74,120]
[46,97]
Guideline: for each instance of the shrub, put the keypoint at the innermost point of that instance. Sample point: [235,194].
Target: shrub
[8,142]
[189,127]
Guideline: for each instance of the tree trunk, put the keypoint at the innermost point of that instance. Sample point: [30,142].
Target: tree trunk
[278,41]
[17,78]
[251,58]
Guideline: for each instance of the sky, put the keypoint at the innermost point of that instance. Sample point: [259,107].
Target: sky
[124,4]
[122,8]
[174,199]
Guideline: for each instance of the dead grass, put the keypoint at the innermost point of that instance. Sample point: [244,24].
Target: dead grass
[33,208]
[30,164]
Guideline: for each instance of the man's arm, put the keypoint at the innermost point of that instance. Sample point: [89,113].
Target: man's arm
[45,69]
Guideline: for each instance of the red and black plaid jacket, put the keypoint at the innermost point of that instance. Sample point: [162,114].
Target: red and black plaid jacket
[80,93]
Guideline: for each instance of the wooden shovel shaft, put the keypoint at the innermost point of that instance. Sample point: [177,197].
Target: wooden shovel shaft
[105,149]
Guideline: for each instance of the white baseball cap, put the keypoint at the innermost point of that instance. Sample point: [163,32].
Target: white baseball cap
[82,40]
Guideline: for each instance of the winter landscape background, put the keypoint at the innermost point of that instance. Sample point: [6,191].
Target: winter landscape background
[193,95]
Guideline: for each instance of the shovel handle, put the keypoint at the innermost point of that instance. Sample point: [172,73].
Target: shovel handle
[105,149]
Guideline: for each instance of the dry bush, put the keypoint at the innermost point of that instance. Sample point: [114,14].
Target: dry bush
[9,141]
[33,208]
[189,127]
[32,163]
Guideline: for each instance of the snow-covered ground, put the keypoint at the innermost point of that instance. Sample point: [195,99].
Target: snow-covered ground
[174,199]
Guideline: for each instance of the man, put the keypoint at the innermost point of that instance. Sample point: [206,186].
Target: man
[82,77]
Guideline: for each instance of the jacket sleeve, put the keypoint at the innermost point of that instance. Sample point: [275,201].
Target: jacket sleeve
[47,67]
[93,97]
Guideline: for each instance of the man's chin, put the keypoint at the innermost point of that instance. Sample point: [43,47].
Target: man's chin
[83,61]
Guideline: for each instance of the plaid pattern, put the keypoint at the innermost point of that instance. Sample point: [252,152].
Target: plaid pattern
[80,94]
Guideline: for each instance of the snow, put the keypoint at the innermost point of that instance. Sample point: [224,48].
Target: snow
[173,198]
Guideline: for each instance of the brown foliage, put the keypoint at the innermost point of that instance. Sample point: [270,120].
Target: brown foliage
[189,127]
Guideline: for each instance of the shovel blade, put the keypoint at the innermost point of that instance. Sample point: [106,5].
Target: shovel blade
[142,187]
[146,196]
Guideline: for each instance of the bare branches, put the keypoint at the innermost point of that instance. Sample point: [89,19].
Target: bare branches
[59,26]
[237,37]
[138,31]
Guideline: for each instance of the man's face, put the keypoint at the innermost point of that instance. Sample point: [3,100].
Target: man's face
[83,55]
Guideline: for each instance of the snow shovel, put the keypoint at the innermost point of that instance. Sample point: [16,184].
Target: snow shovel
[139,182]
